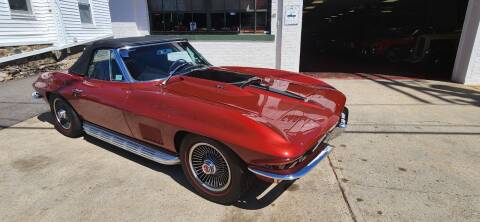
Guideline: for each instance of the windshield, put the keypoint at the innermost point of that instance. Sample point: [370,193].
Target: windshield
[146,63]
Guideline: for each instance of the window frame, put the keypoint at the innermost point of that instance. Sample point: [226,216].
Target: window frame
[22,13]
[267,30]
[89,4]
[113,54]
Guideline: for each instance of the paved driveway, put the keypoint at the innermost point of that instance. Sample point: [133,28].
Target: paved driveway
[16,102]
[411,154]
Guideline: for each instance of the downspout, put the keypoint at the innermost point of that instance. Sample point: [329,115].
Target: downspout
[61,32]
[149,19]
[278,39]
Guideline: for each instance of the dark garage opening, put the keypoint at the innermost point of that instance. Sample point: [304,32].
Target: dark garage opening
[413,38]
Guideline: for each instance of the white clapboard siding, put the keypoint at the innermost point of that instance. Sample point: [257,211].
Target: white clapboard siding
[76,31]
[35,29]
[42,27]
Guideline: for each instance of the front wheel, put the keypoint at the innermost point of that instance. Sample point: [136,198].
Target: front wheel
[65,119]
[214,171]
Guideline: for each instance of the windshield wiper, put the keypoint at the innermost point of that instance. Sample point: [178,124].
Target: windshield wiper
[195,68]
[250,81]
[173,72]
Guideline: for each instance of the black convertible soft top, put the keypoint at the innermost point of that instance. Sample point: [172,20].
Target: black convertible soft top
[81,65]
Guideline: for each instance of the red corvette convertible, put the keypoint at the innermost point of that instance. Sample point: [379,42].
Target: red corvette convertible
[160,99]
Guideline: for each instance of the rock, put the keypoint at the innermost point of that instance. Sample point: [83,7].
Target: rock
[12,70]
[33,65]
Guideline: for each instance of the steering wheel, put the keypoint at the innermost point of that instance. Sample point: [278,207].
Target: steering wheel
[174,65]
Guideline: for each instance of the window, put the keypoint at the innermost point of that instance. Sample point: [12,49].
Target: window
[115,71]
[20,6]
[152,62]
[105,67]
[85,11]
[210,16]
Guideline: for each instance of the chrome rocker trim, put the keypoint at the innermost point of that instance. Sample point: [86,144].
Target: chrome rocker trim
[130,145]
[299,173]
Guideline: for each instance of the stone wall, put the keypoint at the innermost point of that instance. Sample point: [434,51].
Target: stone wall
[34,65]
[13,50]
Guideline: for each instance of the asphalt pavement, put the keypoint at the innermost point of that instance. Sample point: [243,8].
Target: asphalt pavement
[16,102]
[410,153]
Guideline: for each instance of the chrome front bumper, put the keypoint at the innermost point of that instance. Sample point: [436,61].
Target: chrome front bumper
[36,95]
[341,126]
[302,172]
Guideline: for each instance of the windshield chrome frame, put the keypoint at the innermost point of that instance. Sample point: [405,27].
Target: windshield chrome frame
[126,73]
[123,67]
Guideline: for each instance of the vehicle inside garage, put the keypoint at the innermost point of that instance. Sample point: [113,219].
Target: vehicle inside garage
[414,38]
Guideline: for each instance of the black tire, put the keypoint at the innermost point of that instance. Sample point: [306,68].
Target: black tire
[240,178]
[74,128]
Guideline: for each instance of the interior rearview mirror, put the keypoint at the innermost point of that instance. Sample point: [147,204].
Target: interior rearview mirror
[124,53]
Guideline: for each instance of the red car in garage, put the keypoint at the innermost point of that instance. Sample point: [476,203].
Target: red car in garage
[159,98]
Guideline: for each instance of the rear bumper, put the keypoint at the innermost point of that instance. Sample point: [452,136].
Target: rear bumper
[339,129]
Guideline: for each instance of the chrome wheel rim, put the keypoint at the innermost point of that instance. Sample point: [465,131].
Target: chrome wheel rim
[61,114]
[209,167]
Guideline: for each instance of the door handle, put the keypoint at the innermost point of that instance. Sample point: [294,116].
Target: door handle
[77,92]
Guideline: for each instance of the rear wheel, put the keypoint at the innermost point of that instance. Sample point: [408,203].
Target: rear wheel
[65,119]
[214,171]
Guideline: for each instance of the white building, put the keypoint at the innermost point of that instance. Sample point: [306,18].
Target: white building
[467,63]
[262,33]
[266,43]
[52,24]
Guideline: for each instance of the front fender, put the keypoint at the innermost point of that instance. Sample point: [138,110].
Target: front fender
[172,113]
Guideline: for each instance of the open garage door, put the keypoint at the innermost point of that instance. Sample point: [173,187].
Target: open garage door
[414,38]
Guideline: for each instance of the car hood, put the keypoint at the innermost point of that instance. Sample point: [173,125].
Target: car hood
[299,112]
